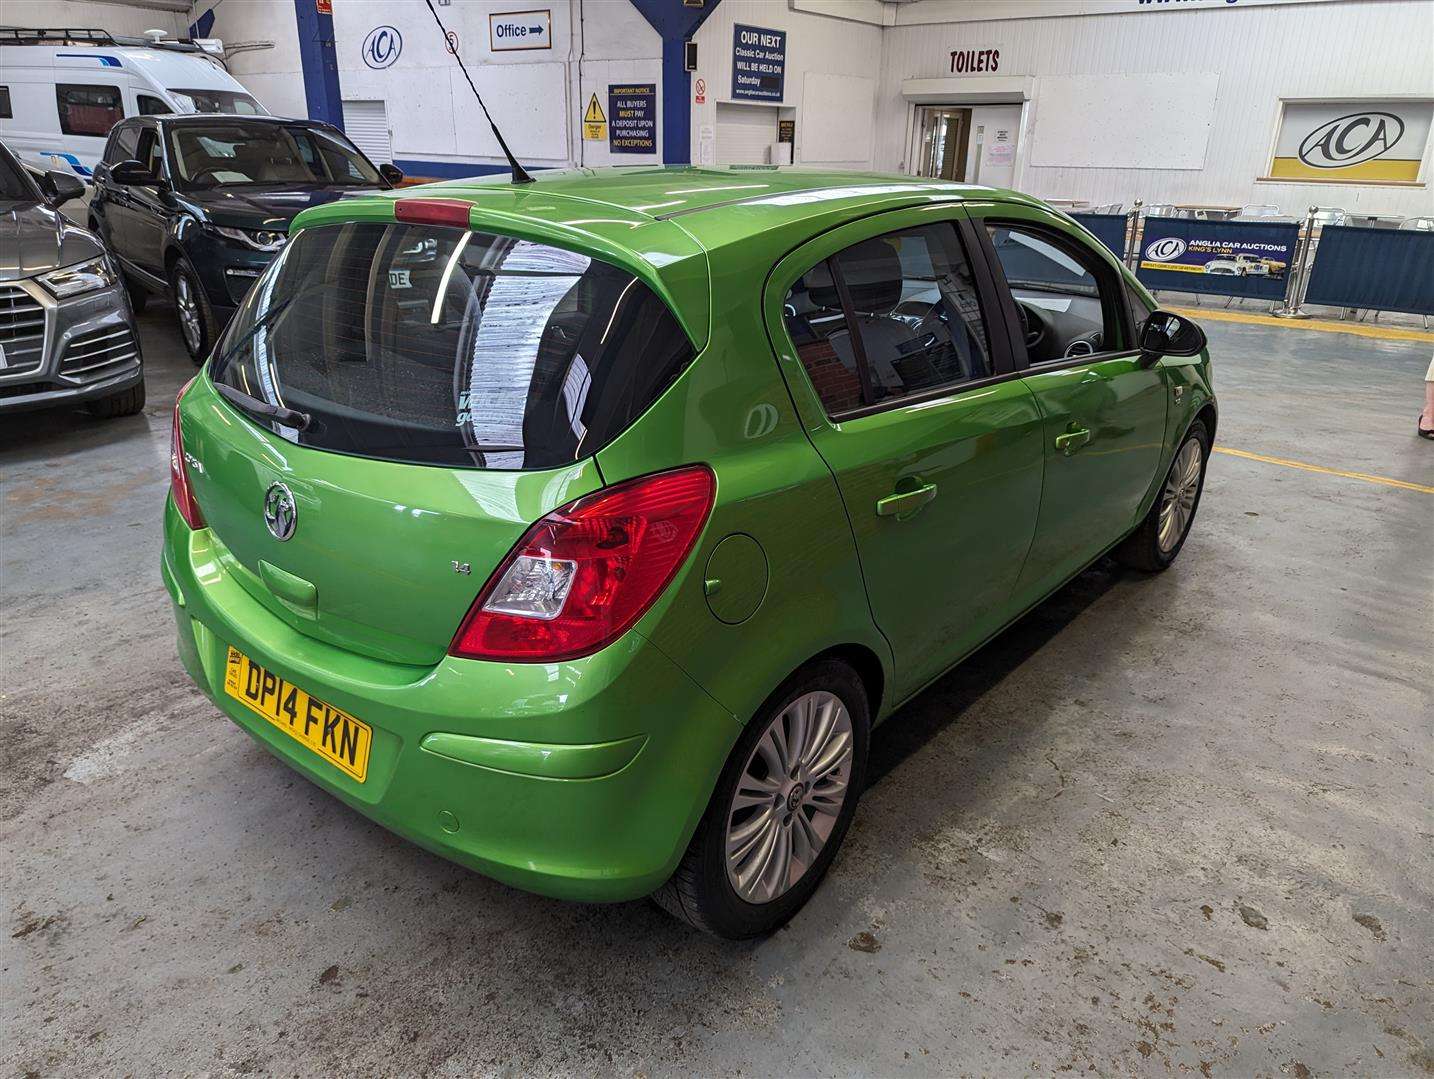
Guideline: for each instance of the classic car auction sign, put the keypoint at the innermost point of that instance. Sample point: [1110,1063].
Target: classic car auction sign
[1228,258]
[759,63]
[632,118]
[1352,141]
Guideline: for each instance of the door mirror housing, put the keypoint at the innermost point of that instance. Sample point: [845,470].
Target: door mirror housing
[60,187]
[392,174]
[1165,333]
[131,174]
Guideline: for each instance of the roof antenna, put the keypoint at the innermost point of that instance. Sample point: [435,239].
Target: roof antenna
[520,175]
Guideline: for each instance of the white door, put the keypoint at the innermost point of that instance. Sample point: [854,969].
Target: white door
[745,133]
[992,147]
[366,124]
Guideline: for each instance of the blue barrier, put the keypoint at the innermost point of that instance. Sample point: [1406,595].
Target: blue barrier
[1109,229]
[1225,258]
[1374,269]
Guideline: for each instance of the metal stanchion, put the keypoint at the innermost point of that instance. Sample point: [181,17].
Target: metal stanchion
[1294,292]
[1132,235]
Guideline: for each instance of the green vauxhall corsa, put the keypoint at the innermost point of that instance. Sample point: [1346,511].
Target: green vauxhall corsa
[582,530]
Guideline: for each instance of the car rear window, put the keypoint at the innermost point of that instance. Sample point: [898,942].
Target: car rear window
[438,346]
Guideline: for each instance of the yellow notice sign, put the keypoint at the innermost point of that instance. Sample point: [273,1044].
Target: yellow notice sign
[594,122]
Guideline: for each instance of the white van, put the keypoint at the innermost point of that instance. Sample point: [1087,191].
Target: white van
[62,90]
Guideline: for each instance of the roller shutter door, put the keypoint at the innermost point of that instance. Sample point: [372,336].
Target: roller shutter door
[744,132]
[366,124]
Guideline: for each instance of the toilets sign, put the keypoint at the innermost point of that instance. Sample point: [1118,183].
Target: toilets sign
[759,63]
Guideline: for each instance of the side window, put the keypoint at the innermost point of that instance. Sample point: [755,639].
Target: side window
[123,141]
[148,153]
[915,311]
[818,327]
[151,106]
[889,317]
[1066,305]
[88,110]
[5,111]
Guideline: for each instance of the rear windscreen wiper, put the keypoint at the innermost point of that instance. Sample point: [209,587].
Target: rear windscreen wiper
[286,417]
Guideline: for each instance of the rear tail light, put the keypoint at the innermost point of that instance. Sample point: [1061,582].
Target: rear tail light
[580,577]
[179,488]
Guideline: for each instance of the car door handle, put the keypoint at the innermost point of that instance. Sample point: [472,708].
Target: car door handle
[1072,440]
[903,503]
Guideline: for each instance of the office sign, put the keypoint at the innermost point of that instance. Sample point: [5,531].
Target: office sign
[632,118]
[1228,258]
[520,31]
[1353,141]
[759,63]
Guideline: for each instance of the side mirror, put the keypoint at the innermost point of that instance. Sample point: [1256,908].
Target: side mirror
[60,187]
[130,174]
[1165,333]
[392,174]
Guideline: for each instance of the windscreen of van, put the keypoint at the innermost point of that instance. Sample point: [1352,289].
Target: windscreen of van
[441,346]
[233,102]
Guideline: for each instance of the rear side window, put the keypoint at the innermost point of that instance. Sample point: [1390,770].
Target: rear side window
[88,110]
[888,318]
[122,145]
[438,346]
[5,111]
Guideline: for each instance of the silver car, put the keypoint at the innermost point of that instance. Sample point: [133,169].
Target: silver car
[67,332]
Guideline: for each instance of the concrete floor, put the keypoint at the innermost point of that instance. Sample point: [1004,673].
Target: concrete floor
[1163,825]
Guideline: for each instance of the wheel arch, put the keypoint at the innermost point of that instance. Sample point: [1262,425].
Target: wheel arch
[861,659]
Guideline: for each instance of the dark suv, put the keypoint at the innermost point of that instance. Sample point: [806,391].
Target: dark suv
[198,205]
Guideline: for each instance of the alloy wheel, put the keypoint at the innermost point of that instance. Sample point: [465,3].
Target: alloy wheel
[789,797]
[1177,499]
[188,307]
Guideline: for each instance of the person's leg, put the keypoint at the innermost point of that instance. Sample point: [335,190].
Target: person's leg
[1426,418]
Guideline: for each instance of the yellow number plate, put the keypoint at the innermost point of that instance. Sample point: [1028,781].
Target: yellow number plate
[336,736]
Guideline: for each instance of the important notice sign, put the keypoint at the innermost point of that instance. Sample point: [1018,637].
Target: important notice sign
[759,63]
[632,118]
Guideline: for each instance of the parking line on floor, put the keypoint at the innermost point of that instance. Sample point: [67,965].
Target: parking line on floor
[1385,480]
[1358,329]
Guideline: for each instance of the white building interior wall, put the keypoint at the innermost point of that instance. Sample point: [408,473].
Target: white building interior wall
[1174,103]
[1346,48]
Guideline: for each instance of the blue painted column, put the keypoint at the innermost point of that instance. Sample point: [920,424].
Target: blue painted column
[676,23]
[320,63]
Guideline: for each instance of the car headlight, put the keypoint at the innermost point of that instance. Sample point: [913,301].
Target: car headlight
[82,277]
[259,240]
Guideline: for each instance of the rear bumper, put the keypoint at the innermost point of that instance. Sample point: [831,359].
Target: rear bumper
[579,780]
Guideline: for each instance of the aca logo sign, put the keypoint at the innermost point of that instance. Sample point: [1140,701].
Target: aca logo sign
[382,46]
[1349,140]
[1165,250]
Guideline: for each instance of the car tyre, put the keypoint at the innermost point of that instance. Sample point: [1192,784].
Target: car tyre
[125,403]
[1156,543]
[191,306]
[824,709]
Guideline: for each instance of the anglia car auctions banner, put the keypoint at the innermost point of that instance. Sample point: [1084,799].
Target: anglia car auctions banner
[1228,258]
[1366,141]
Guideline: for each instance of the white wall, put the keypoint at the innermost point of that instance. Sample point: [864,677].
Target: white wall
[274,76]
[124,19]
[1258,54]
[617,45]
[537,97]
[832,71]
